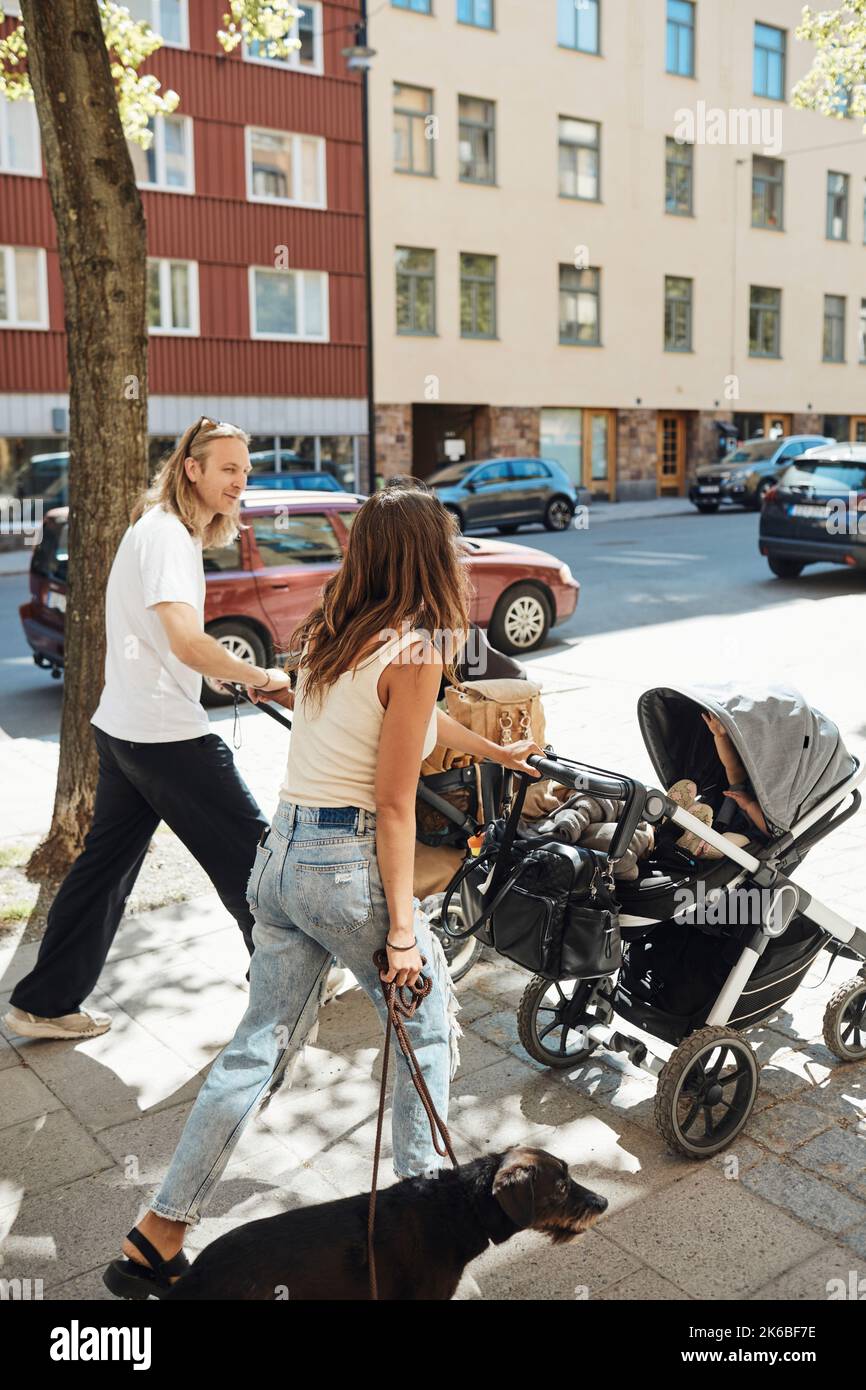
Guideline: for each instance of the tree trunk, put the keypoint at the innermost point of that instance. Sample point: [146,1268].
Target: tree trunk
[102,247]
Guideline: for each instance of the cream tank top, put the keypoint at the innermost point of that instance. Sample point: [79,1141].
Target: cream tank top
[333,752]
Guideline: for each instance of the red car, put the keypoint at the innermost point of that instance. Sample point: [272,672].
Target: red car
[260,588]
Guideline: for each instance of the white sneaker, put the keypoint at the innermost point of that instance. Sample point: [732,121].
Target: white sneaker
[86,1023]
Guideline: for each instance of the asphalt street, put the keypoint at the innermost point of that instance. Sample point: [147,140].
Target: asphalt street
[633,573]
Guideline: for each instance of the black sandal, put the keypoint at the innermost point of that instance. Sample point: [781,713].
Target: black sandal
[127,1278]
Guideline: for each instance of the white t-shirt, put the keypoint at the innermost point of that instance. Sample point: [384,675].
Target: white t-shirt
[150,696]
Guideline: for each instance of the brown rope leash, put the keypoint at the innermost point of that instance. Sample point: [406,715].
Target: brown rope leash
[402,1004]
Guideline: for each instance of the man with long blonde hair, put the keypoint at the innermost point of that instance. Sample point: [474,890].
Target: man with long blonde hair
[158,759]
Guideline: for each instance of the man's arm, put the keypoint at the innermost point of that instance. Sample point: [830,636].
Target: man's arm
[191,646]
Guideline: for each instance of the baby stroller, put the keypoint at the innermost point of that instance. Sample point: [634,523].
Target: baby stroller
[705,949]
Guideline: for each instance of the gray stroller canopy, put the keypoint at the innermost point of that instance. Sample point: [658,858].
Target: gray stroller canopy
[793,754]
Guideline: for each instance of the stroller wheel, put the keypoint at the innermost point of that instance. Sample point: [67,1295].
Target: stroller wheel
[706,1092]
[553,1015]
[460,956]
[845,1021]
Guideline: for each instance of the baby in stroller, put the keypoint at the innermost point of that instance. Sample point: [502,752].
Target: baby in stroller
[741,808]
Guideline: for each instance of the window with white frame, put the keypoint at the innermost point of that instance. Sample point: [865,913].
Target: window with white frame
[289,304]
[308,29]
[168,18]
[19,138]
[167,163]
[172,297]
[285,168]
[23,287]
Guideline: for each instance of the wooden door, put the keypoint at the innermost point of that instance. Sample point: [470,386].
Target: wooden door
[599,453]
[671,453]
[776,421]
[858,429]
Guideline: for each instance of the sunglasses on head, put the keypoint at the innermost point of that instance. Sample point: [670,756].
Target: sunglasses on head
[204,420]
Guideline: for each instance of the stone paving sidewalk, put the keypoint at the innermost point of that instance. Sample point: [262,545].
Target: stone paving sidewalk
[86,1132]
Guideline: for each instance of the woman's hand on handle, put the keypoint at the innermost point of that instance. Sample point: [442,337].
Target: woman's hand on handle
[514,755]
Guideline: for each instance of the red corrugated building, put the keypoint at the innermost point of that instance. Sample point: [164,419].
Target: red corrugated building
[253,195]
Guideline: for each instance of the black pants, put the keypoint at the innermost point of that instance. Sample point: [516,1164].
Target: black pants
[196,789]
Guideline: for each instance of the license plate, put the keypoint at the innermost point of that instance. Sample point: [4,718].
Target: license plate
[706,487]
[56,600]
[806,509]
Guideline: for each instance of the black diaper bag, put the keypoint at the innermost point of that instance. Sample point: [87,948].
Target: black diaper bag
[545,905]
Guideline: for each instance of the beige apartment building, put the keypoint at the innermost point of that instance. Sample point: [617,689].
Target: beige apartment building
[602,235]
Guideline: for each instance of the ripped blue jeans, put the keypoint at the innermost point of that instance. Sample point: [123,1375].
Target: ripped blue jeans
[315,892]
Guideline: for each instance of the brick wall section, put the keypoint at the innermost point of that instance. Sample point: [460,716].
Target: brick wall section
[636,449]
[514,431]
[804,423]
[393,439]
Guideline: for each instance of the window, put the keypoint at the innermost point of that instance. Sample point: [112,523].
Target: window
[289,304]
[416,290]
[769,62]
[307,58]
[577,24]
[579,159]
[493,473]
[477,12]
[477,296]
[19,138]
[765,317]
[837,207]
[172,297]
[296,538]
[477,140]
[168,18]
[862,333]
[167,164]
[523,469]
[681,38]
[579,293]
[679,178]
[413,130]
[768,192]
[419,6]
[285,168]
[23,287]
[678,314]
[562,439]
[834,328]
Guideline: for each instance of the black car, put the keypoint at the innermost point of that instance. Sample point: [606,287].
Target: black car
[817,512]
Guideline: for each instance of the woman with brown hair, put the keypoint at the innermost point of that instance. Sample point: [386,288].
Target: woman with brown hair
[334,877]
[158,759]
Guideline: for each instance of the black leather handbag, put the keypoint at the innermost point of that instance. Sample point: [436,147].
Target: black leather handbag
[545,905]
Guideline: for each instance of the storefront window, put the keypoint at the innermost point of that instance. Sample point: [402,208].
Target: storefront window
[561,440]
[34,466]
[337,455]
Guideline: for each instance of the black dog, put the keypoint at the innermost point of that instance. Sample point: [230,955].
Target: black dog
[427,1231]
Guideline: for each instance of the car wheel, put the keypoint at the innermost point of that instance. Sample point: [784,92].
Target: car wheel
[457,515]
[785,569]
[558,514]
[521,620]
[508,530]
[707,507]
[243,642]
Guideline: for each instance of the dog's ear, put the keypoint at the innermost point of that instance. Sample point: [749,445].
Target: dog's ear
[514,1190]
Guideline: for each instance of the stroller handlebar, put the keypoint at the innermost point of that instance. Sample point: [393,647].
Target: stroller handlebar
[583,779]
[596,783]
